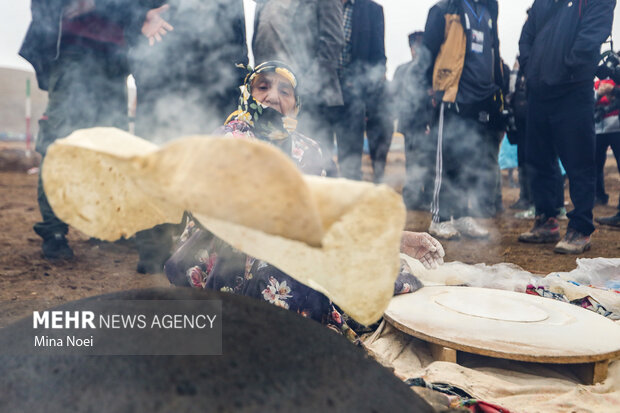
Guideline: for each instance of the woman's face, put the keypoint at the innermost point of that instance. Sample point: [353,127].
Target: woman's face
[274,90]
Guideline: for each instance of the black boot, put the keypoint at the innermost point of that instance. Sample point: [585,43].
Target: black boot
[154,247]
[521,204]
[613,221]
[56,247]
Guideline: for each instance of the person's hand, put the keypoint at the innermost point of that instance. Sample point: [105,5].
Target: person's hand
[605,89]
[154,26]
[423,247]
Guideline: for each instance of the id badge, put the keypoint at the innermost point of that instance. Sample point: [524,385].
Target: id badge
[477,41]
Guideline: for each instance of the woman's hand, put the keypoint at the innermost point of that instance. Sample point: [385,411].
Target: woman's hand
[154,26]
[423,247]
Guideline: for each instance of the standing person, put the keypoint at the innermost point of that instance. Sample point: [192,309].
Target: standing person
[516,100]
[78,50]
[466,76]
[409,100]
[362,78]
[607,134]
[185,86]
[308,35]
[559,52]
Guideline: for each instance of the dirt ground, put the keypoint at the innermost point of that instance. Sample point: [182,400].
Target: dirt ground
[27,281]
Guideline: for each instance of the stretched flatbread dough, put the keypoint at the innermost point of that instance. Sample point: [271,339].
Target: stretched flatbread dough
[118,184]
[339,237]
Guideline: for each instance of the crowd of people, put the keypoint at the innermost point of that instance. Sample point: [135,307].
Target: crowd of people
[189,58]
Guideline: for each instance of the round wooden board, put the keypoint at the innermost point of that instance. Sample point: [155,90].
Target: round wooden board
[505,324]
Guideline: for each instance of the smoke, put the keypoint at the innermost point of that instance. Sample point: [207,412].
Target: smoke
[471,182]
[188,83]
[408,103]
[470,159]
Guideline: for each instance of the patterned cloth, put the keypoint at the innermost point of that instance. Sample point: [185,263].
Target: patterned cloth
[587,302]
[458,397]
[345,56]
[204,261]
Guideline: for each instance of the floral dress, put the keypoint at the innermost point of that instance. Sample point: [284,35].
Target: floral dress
[204,261]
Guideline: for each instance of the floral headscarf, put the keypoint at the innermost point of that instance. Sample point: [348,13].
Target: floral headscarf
[267,122]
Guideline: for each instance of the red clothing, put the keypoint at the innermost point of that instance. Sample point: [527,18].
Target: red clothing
[604,100]
[94,27]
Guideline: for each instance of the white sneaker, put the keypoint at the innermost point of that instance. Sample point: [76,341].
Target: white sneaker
[562,215]
[443,230]
[529,213]
[468,227]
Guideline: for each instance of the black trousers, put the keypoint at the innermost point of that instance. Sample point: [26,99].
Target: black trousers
[87,88]
[469,169]
[317,121]
[379,130]
[363,110]
[604,141]
[524,173]
[564,127]
[420,149]
[524,181]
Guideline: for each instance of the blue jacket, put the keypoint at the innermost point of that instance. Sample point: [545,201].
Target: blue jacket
[444,37]
[560,43]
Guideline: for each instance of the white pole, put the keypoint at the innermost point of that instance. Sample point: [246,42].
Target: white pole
[28,117]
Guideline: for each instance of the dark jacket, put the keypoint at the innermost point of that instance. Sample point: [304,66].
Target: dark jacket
[368,42]
[41,46]
[408,92]
[560,44]
[207,42]
[306,34]
[445,39]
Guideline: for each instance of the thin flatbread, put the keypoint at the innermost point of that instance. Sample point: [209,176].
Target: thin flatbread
[89,180]
[337,236]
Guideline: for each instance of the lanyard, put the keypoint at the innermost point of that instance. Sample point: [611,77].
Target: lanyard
[474,12]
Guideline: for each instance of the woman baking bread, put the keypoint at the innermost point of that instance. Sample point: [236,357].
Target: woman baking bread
[268,106]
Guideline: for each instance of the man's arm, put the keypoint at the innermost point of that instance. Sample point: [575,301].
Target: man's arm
[501,75]
[594,28]
[375,68]
[434,34]
[330,44]
[526,41]
[377,36]
[331,32]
